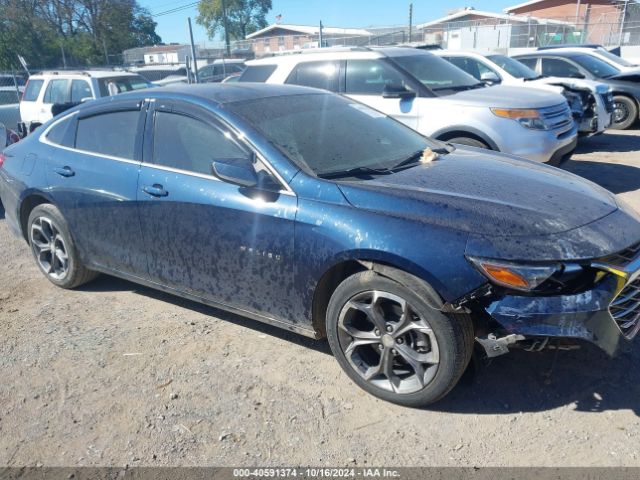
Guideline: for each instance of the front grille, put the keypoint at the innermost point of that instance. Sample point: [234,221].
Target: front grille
[623,258]
[625,309]
[558,118]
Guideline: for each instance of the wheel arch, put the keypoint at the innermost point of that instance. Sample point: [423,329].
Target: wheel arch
[465,131]
[409,276]
[29,201]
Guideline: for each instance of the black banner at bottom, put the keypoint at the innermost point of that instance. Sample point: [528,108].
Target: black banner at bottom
[312,473]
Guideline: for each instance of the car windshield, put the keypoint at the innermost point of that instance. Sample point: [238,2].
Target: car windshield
[595,66]
[122,84]
[436,73]
[513,67]
[331,135]
[615,58]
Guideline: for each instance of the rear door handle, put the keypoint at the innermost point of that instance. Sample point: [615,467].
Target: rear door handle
[64,171]
[155,190]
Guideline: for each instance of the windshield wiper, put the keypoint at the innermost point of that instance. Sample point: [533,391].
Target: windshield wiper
[416,156]
[354,172]
[534,78]
[460,88]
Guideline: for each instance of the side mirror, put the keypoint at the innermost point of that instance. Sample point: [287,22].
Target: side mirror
[394,90]
[238,171]
[489,78]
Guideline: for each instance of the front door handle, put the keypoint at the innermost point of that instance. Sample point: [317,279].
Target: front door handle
[155,190]
[64,171]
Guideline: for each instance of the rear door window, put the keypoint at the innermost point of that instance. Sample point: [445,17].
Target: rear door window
[324,75]
[33,90]
[113,134]
[369,77]
[80,90]
[257,73]
[57,92]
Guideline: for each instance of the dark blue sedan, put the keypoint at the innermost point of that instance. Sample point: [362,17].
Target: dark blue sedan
[317,214]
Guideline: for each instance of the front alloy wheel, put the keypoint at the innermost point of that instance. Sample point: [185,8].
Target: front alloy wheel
[387,342]
[393,340]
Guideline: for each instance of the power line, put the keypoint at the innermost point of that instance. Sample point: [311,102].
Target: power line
[175,9]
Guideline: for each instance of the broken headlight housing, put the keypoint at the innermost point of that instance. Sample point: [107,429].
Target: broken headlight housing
[548,279]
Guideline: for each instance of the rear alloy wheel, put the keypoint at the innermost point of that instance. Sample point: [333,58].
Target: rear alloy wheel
[625,112]
[393,344]
[53,248]
[471,142]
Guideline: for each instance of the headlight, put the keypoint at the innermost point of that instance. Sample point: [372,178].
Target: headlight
[514,275]
[528,118]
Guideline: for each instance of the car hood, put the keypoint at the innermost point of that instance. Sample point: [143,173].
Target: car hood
[574,83]
[486,194]
[627,76]
[504,96]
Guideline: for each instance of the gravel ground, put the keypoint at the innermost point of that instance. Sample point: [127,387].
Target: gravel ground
[118,374]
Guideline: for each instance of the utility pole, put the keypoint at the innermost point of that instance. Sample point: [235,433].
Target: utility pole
[410,21]
[577,12]
[320,39]
[624,14]
[104,46]
[64,58]
[226,28]
[193,53]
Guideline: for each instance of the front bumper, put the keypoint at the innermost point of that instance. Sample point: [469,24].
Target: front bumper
[540,145]
[588,316]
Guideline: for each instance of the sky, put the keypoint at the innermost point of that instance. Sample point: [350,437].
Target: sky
[333,13]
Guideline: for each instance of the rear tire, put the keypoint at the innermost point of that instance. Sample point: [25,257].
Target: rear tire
[625,112]
[471,142]
[53,248]
[393,344]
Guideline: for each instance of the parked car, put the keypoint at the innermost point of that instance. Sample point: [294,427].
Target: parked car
[591,102]
[597,51]
[316,213]
[67,88]
[581,64]
[433,97]
[10,106]
[220,69]
[156,74]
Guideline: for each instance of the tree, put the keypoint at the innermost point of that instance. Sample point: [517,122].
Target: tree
[89,32]
[243,16]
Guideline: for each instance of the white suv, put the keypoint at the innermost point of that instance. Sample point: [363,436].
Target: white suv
[47,89]
[590,101]
[432,96]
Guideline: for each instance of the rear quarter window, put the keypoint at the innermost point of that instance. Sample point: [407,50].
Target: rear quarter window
[33,90]
[257,73]
[60,133]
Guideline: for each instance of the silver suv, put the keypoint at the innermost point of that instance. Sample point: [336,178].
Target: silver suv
[433,97]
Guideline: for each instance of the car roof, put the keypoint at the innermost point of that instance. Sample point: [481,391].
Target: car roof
[84,73]
[556,52]
[338,53]
[214,93]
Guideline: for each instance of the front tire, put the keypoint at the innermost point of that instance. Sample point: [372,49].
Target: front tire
[625,112]
[393,344]
[53,248]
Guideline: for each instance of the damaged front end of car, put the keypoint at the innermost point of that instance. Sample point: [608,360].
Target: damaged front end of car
[556,304]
